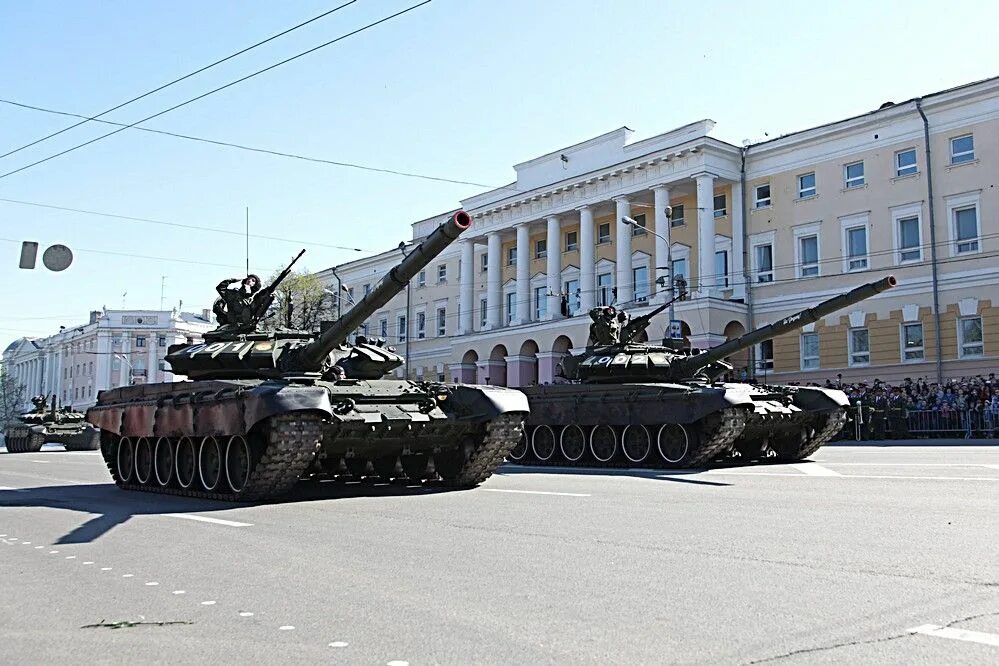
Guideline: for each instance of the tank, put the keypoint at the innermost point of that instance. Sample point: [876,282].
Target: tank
[260,410]
[637,404]
[52,425]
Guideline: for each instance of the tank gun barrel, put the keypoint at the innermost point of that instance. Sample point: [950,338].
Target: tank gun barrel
[785,325]
[311,356]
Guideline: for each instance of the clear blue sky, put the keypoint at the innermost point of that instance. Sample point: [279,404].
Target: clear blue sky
[459,88]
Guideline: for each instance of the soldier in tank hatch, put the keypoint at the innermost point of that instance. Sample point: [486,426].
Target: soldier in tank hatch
[235,306]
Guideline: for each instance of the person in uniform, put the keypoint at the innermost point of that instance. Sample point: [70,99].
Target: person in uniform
[235,305]
[606,326]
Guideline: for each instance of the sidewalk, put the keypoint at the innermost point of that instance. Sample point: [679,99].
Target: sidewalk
[943,441]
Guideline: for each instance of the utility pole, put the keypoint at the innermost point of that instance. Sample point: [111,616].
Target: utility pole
[409,323]
[162,290]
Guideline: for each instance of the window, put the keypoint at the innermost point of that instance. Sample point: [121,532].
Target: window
[441,322]
[161,341]
[571,241]
[511,256]
[856,248]
[540,249]
[603,233]
[767,355]
[809,351]
[484,262]
[441,273]
[640,277]
[483,306]
[763,255]
[905,162]
[720,210]
[680,269]
[969,333]
[605,289]
[639,229]
[721,268]
[140,341]
[962,149]
[854,174]
[367,289]
[966,229]
[540,303]
[401,327]
[421,279]
[806,185]
[90,368]
[762,196]
[912,342]
[859,347]
[383,328]
[421,325]
[808,256]
[908,239]
[677,219]
[511,306]
[572,297]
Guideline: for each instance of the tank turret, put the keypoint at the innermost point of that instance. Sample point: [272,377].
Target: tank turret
[231,355]
[615,358]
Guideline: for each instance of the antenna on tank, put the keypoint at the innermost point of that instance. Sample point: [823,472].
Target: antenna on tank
[247,240]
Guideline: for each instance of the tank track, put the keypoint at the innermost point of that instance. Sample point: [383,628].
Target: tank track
[834,423]
[731,423]
[502,434]
[293,442]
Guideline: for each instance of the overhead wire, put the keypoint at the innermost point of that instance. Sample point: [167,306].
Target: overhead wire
[87,119]
[220,88]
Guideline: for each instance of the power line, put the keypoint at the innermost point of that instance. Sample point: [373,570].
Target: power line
[182,78]
[264,151]
[220,88]
[180,225]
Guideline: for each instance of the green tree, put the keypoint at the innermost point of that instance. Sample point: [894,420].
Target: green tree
[300,302]
[11,394]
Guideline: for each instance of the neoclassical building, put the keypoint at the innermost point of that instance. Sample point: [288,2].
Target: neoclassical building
[114,348]
[757,232]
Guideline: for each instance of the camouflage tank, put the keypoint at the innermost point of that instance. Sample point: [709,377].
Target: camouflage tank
[262,409]
[56,426]
[637,404]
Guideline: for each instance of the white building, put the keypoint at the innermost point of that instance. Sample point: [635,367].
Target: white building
[115,348]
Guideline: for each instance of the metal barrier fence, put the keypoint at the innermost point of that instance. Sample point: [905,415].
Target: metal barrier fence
[868,423]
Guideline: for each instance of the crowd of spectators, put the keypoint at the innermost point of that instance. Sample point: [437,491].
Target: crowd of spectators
[969,405]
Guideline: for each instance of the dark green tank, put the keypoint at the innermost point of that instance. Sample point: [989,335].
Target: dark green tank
[626,403]
[50,425]
[264,409]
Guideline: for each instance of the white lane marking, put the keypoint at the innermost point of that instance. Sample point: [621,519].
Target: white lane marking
[42,462]
[53,552]
[725,472]
[14,490]
[207,603]
[180,591]
[2,535]
[245,614]
[991,466]
[25,543]
[105,568]
[206,519]
[815,469]
[286,627]
[531,492]
[128,575]
[152,583]
[397,663]
[71,557]
[39,547]
[900,464]
[339,644]
[957,634]
[88,562]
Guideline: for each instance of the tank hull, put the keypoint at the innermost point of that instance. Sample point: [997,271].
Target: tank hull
[251,440]
[27,437]
[676,425]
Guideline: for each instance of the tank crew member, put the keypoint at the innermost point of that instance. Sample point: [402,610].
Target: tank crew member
[606,326]
[235,305]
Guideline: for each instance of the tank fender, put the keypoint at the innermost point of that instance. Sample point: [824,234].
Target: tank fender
[474,401]
[270,399]
[814,397]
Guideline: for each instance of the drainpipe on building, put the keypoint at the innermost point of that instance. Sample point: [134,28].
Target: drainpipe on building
[746,266]
[933,240]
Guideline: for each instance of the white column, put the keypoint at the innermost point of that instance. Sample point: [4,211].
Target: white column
[587,264]
[661,201]
[466,289]
[523,273]
[102,368]
[494,286]
[152,357]
[58,371]
[554,267]
[625,278]
[738,280]
[705,233]
[125,372]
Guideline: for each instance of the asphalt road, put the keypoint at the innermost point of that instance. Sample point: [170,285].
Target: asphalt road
[834,561]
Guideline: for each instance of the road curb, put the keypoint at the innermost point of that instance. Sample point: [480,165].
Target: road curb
[916,442]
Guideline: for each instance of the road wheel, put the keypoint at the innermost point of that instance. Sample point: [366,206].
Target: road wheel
[143,460]
[238,462]
[187,462]
[603,443]
[572,441]
[387,467]
[126,459]
[636,443]
[674,444]
[518,452]
[163,461]
[210,463]
[543,442]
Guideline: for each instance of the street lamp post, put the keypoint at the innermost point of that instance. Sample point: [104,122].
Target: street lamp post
[409,323]
[631,222]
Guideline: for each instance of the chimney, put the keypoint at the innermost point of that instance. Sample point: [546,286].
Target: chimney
[94,314]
